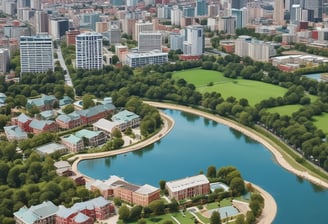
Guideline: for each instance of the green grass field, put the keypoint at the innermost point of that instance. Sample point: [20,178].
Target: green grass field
[321,122]
[254,91]
[285,110]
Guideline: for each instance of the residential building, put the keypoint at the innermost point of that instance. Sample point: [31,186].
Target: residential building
[69,121]
[45,102]
[164,12]
[36,53]
[102,27]
[114,34]
[71,36]
[85,212]
[106,126]
[93,114]
[141,59]
[23,121]
[188,11]
[176,15]
[39,126]
[131,193]
[88,21]
[89,52]
[194,40]
[41,213]
[176,41]
[127,119]
[41,22]
[73,143]
[279,10]
[14,133]
[201,7]
[188,187]
[227,24]
[4,60]
[92,138]
[149,41]
[50,148]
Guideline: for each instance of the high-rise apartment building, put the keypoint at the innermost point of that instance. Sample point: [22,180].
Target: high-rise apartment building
[201,8]
[279,11]
[149,41]
[114,34]
[89,54]
[194,40]
[89,20]
[176,15]
[4,60]
[36,53]
[176,41]
[238,4]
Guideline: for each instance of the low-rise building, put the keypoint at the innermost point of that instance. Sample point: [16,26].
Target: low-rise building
[188,187]
[106,126]
[51,148]
[141,59]
[126,119]
[69,121]
[44,102]
[92,138]
[41,213]
[40,126]
[73,143]
[14,133]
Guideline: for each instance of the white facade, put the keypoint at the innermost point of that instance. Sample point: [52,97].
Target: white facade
[176,15]
[227,24]
[142,27]
[89,54]
[278,13]
[176,41]
[149,41]
[141,59]
[36,53]
[194,44]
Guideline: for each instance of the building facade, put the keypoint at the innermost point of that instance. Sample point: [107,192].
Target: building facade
[89,52]
[141,59]
[36,53]
[149,41]
[194,40]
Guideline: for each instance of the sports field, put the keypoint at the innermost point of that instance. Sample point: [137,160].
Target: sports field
[254,91]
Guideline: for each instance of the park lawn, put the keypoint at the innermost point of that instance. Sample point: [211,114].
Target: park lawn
[187,219]
[253,91]
[285,110]
[321,122]
[223,203]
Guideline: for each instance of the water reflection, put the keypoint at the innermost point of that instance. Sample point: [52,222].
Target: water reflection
[140,153]
[189,117]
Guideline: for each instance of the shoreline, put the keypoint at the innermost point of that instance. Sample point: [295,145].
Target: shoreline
[270,207]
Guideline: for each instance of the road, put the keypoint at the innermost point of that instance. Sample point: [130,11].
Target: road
[68,80]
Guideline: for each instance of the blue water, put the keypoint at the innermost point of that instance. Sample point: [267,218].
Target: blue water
[316,76]
[196,143]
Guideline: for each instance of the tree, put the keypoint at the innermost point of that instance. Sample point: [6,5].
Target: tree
[211,172]
[215,218]
[240,219]
[162,184]
[116,133]
[68,109]
[135,213]
[237,186]
[124,213]
[87,101]
[250,218]
[3,120]
[157,207]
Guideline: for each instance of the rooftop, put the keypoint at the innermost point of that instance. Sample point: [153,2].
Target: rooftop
[178,185]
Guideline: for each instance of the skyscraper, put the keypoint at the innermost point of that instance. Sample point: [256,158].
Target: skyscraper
[89,53]
[316,6]
[194,40]
[36,53]
[278,13]
[201,8]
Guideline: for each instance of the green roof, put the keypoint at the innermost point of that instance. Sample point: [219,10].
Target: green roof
[87,133]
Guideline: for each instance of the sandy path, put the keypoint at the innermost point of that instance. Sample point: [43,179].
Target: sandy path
[270,207]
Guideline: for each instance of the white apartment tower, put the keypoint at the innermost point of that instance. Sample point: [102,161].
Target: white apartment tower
[194,40]
[89,53]
[149,41]
[36,53]
[278,13]
[176,15]
[142,27]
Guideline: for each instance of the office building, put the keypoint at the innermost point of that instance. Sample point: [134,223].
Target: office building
[114,34]
[194,40]
[36,53]
[142,27]
[142,59]
[316,7]
[149,41]
[89,53]
[241,17]
[201,8]
[41,22]
[238,4]
[58,27]
[227,24]
[188,11]
[89,20]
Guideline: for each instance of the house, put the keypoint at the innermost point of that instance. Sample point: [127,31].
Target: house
[97,208]
[127,119]
[14,132]
[78,180]
[69,121]
[106,126]
[23,121]
[39,126]
[47,114]
[74,144]
[41,213]
[45,102]
[92,138]
[51,148]
[188,187]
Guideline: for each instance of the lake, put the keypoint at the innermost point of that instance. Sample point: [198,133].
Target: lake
[196,143]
